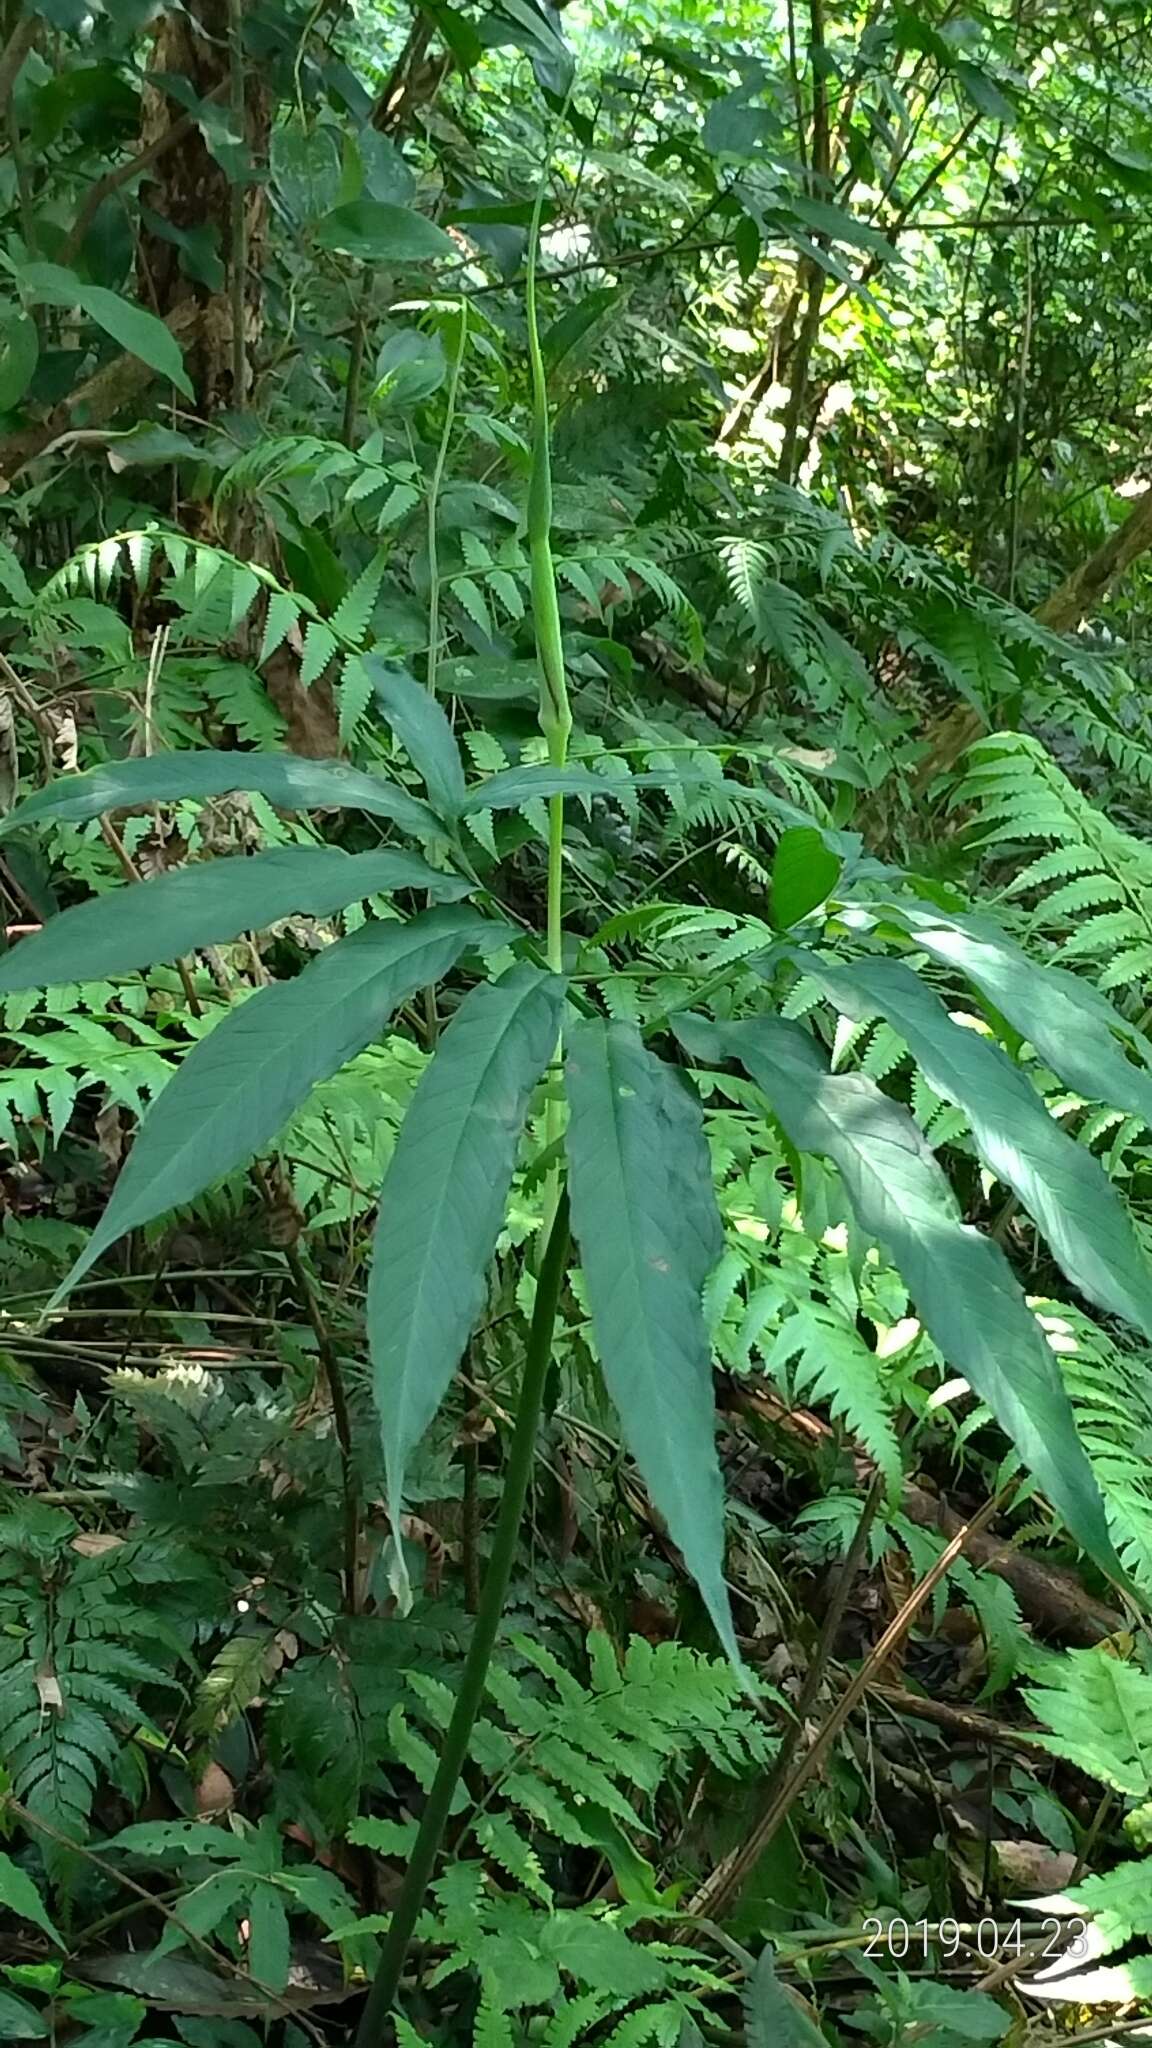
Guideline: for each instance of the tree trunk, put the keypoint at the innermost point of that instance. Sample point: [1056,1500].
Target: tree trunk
[1061,613]
[1082,591]
[193,193]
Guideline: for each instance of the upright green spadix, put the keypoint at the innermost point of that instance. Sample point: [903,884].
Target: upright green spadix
[555,714]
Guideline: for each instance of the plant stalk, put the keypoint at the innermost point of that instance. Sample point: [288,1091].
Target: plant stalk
[381,1998]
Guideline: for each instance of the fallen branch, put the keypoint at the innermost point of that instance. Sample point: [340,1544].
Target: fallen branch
[1050,1597]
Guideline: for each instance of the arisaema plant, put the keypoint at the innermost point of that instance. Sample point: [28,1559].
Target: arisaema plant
[624,1162]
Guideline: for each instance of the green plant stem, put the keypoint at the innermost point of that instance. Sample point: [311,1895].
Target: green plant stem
[518,1470]
[238,250]
[434,491]
[556,884]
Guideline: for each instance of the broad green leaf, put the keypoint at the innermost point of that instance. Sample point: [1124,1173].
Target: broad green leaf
[20,2021]
[1061,1184]
[208,904]
[443,1199]
[136,330]
[422,730]
[984,93]
[775,2016]
[287,780]
[19,355]
[841,226]
[804,872]
[964,1289]
[1072,1026]
[238,1086]
[378,233]
[645,1218]
[509,788]
[20,1896]
[269,1946]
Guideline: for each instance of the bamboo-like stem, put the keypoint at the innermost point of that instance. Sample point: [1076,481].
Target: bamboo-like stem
[518,1471]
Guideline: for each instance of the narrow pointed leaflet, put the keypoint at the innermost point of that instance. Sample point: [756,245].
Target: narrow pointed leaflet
[287,780]
[962,1285]
[645,1218]
[443,1200]
[1072,1025]
[240,1085]
[206,905]
[1061,1184]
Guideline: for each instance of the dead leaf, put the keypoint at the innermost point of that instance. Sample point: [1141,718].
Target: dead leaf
[96,1544]
[215,1792]
[1034,1867]
[110,1133]
[48,1688]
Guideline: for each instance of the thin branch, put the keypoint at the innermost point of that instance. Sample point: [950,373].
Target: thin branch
[720,1886]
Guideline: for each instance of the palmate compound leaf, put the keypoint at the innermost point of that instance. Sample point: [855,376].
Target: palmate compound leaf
[287,780]
[239,1085]
[645,1218]
[443,1199]
[207,904]
[962,1285]
[1061,1184]
[1073,1027]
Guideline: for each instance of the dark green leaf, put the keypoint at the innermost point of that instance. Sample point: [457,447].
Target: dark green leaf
[776,2017]
[305,165]
[269,1948]
[422,730]
[1063,1187]
[489,678]
[509,788]
[137,331]
[644,1215]
[1072,1026]
[840,225]
[964,1289]
[207,905]
[19,355]
[378,233]
[562,336]
[287,780]
[20,2021]
[804,872]
[443,1199]
[984,93]
[20,1896]
[238,1086]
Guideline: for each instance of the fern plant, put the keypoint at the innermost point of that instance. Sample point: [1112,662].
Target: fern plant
[1091,888]
[78,1648]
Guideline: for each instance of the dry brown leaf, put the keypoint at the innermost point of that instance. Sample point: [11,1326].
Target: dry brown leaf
[110,1133]
[215,1792]
[95,1544]
[48,1688]
[1034,1866]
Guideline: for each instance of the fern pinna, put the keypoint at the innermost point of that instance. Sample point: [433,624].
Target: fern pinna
[1091,890]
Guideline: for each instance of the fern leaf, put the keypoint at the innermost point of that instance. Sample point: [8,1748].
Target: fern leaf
[1097,1711]
[501,1840]
[351,619]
